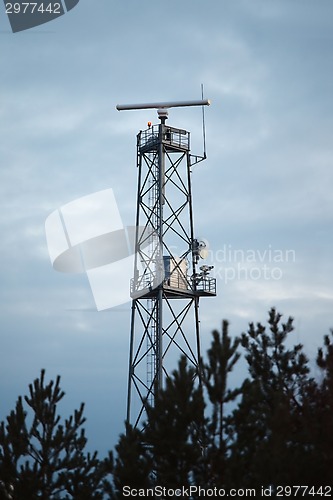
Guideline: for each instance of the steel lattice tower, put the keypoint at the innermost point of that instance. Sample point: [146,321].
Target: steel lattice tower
[166,285]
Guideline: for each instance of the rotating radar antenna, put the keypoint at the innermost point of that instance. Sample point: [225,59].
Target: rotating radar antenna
[163,105]
[166,284]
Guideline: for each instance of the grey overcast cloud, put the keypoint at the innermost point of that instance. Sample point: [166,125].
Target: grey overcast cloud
[263,199]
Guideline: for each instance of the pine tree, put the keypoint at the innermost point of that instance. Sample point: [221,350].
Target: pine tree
[276,429]
[168,451]
[173,433]
[46,459]
[322,427]
[222,357]
[180,445]
[133,463]
[267,423]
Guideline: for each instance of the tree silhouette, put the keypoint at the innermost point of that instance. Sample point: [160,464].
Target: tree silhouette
[168,450]
[221,359]
[174,431]
[267,419]
[322,428]
[45,458]
[180,445]
[276,429]
[133,465]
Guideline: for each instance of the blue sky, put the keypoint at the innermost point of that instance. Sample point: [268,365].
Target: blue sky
[266,186]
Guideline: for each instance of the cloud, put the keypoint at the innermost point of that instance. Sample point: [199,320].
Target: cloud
[266,66]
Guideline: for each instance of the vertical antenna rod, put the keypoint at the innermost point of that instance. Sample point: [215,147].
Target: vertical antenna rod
[203,123]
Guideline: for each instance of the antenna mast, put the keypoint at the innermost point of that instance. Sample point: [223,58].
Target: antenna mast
[203,123]
[166,284]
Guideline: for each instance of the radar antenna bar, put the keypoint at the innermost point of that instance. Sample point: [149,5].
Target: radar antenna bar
[159,105]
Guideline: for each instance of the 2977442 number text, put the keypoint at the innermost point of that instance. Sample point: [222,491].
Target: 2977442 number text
[33,7]
[302,491]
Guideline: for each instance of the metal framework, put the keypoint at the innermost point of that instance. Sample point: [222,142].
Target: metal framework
[166,286]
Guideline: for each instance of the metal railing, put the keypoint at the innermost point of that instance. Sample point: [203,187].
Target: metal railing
[205,284]
[148,139]
[150,281]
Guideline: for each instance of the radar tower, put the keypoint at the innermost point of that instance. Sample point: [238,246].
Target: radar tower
[166,284]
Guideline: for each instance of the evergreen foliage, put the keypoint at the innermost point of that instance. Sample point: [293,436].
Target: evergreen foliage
[46,458]
[275,429]
[174,435]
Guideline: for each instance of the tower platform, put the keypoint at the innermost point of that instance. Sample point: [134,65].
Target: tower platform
[205,288]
